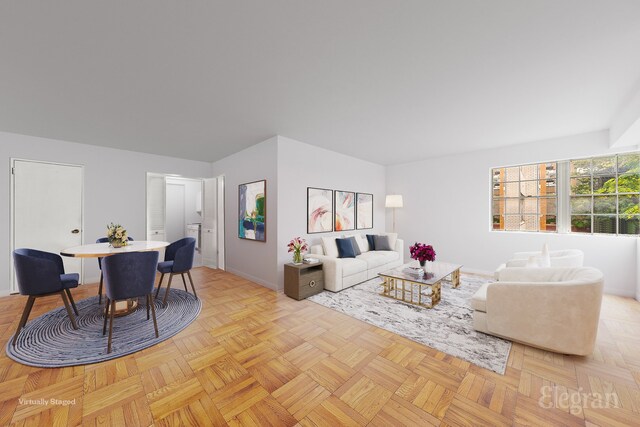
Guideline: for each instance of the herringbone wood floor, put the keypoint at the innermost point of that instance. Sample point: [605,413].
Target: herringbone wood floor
[256,357]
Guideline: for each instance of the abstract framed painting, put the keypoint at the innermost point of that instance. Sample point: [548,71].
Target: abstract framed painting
[364,211]
[319,210]
[252,211]
[345,216]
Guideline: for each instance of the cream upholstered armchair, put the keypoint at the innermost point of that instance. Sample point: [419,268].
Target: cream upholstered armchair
[562,258]
[554,308]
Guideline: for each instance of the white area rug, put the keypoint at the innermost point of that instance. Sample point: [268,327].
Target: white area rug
[448,327]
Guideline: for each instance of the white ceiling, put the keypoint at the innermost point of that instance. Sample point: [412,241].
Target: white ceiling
[387,81]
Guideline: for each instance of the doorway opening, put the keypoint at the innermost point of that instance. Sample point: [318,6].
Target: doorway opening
[179,207]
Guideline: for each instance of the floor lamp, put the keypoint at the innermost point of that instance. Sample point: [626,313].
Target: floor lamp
[393,201]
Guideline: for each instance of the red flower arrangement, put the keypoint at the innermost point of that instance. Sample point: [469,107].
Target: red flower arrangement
[422,252]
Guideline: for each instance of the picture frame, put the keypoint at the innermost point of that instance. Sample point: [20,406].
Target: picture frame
[345,210]
[319,210]
[252,211]
[364,211]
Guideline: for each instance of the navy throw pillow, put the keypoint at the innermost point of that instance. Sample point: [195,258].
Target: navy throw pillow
[356,248]
[345,248]
[372,243]
[382,243]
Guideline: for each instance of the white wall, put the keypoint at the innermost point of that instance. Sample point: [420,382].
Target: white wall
[251,259]
[107,171]
[447,203]
[302,165]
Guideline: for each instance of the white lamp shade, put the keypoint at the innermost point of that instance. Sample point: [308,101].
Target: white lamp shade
[393,201]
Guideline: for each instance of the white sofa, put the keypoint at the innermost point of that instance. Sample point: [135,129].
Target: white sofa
[562,258]
[552,308]
[341,273]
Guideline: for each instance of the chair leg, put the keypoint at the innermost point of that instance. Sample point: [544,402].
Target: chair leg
[69,312]
[159,284]
[166,292]
[113,308]
[148,304]
[184,282]
[106,315]
[100,289]
[153,313]
[25,315]
[192,287]
[73,303]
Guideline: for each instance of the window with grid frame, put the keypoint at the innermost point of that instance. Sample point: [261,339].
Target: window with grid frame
[524,198]
[605,194]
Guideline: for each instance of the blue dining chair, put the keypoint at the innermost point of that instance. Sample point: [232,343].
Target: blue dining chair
[41,274]
[178,259]
[128,275]
[103,240]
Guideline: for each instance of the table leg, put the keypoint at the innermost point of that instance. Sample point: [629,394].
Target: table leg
[455,278]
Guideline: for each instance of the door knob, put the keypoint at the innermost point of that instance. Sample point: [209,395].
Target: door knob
[75,231]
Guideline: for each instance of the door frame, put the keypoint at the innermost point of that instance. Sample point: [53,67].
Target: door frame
[13,286]
[220,208]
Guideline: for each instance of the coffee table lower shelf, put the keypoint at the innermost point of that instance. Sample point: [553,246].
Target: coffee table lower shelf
[397,289]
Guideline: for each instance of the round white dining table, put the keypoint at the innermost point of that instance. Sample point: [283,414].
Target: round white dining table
[100,250]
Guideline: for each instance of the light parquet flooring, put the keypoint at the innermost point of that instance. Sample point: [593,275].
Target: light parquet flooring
[257,357]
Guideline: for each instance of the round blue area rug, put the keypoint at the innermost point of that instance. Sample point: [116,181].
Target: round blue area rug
[50,341]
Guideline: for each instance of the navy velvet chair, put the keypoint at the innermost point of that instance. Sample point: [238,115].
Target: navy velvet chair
[128,275]
[41,274]
[178,259]
[103,240]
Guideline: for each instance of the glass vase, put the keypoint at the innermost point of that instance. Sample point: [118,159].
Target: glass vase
[297,257]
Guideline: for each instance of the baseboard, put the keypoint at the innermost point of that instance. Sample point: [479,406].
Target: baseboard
[254,279]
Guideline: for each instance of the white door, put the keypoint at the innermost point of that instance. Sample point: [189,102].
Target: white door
[47,209]
[175,223]
[208,246]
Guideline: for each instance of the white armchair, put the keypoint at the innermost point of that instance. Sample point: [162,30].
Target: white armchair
[555,308]
[562,258]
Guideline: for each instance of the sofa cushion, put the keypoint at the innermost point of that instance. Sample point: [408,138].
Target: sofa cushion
[345,248]
[330,247]
[363,244]
[371,241]
[351,266]
[393,237]
[356,247]
[377,258]
[382,243]
[479,299]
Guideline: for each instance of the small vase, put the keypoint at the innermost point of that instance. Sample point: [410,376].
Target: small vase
[117,245]
[297,257]
[423,263]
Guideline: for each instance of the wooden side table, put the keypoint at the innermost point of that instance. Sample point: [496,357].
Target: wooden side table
[303,280]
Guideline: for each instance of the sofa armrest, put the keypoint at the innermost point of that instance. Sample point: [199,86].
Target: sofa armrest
[400,248]
[526,255]
[559,316]
[316,250]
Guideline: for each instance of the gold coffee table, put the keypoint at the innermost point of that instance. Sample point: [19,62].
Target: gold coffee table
[406,284]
